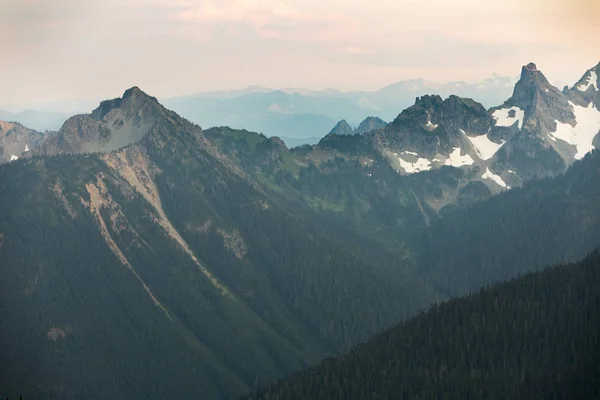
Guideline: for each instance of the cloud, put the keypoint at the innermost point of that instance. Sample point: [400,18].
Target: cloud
[270,19]
[435,49]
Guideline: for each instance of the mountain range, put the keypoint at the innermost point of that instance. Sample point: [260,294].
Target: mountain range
[135,244]
[298,116]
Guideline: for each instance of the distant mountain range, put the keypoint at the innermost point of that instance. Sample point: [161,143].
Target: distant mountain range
[305,114]
[39,120]
[539,131]
[298,116]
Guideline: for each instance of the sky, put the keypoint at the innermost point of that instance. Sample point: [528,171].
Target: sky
[93,49]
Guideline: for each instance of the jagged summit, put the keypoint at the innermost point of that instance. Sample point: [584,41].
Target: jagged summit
[532,86]
[432,114]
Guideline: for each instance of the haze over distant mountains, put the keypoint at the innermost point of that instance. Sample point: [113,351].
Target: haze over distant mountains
[296,115]
[304,116]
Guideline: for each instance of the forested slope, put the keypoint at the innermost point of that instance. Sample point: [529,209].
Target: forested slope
[535,337]
[524,229]
[165,259]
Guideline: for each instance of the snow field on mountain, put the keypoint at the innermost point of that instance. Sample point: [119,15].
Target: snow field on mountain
[502,118]
[490,175]
[583,133]
[484,147]
[456,160]
[421,164]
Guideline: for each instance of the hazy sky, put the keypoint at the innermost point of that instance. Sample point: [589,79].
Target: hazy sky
[59,49]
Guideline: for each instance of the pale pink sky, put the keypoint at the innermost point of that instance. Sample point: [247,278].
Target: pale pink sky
[60,49]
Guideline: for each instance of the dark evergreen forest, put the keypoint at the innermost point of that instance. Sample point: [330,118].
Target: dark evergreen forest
[535,337]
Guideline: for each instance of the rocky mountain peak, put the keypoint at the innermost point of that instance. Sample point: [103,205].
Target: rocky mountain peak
[132,100]
[342,128]
[114,124]
[535,105]
[370,124]
[530,86]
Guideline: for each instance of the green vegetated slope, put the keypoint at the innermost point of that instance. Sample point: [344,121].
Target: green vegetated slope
[535,337]
[163,270]
[545,222]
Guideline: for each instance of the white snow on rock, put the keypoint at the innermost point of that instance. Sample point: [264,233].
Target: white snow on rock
[13,157]
[26,148]
[592,81]
[409,152]
[583,133]
[502,118]
[490,175]
[456,160]
[430,125]
[422,164]
[484,147]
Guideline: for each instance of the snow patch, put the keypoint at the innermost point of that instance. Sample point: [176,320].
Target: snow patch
[410,152]
[26,148]
[484,147]
[13,157]
[422,164]
[591,81]
[583,133]
[456,160]
[490,175]
[430,125]
[502,118]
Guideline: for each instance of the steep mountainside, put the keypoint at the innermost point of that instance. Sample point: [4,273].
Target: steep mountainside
[544,129]
[545,222]
[15,140]
[165,259]
[532,338]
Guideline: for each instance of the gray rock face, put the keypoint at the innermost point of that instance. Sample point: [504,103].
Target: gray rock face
[114,124]
[342,128]
[433,126]
[16,141]
[543,134]
[587,89]
[370,124]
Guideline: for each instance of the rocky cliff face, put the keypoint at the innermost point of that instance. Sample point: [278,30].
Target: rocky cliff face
[114,124]
[545,129]
[16,141]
